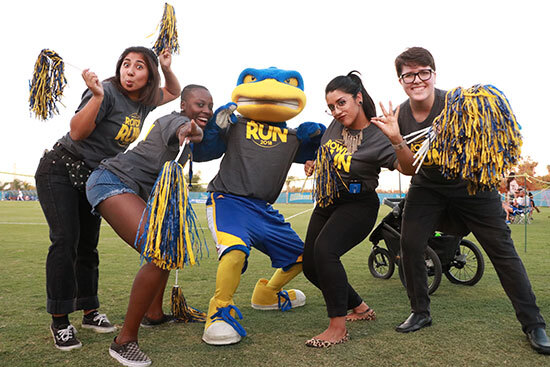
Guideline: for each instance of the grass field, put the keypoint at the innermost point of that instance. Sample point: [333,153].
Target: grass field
[473,326]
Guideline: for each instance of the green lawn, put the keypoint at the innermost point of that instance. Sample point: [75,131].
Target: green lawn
[473,326]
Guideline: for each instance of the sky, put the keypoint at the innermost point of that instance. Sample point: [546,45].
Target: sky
[473,42]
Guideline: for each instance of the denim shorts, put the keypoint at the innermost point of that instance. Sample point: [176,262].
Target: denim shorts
[101,185]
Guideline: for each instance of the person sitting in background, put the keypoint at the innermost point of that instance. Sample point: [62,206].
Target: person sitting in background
[521,200]
[508,209]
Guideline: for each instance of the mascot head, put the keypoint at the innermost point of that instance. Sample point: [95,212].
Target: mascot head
[271,95]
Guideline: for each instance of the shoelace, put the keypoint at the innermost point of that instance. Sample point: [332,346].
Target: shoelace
[67,333]
[287,305]
[101,318]
[224,313]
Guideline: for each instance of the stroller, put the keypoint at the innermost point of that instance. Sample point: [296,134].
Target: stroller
[460,260]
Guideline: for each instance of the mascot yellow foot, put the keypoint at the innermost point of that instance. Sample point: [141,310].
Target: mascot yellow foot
[267,298]
[221,326]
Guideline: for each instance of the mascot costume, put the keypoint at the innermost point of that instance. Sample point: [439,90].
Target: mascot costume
[259,150]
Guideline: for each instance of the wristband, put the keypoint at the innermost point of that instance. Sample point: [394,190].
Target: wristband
[399,146]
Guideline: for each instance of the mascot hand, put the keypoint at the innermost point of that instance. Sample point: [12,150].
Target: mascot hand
[309,131]
[224,115]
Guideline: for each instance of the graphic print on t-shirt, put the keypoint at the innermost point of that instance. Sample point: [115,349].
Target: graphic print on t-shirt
[129,131]
[342,160]
[265,136]
[432,158]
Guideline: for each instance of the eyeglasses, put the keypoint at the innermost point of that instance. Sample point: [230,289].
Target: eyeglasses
[423,75]
[340,104]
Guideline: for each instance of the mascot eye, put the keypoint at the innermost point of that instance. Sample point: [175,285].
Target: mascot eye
[292,81]
[249,79]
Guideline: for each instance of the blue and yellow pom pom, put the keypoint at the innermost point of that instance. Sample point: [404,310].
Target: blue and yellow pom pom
[168,33]
[477,137]
[48,82]
[170,237]
[325,177]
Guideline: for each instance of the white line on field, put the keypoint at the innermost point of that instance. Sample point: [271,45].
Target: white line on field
[300,213]
[45,224]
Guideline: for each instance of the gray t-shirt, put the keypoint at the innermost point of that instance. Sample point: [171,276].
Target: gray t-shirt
[140,166]
[429,173]
[374,152]
[256,161]
[118,124]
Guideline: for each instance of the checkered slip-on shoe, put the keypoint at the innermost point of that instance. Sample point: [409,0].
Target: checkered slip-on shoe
[129,354]
[64,337]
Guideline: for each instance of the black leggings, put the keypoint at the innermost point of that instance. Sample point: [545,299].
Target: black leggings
[333,231]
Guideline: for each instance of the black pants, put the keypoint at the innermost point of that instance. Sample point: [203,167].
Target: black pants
[483,215]
[333,231]
[72,262]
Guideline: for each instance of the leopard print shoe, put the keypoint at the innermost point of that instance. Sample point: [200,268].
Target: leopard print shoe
[319,343]
[367,315]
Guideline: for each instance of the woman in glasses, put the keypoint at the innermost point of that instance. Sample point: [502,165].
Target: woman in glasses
[355,150]
[433,200]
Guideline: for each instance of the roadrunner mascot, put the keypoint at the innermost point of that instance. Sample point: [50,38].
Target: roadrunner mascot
[259,150]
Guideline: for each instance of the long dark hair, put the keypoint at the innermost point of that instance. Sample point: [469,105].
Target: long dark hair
[150,93]
[352,84]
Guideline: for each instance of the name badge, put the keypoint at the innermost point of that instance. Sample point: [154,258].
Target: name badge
[355,187]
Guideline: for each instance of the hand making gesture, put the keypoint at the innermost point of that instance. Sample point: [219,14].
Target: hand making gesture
[388,123]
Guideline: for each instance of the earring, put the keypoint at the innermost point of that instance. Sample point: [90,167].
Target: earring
[360,102]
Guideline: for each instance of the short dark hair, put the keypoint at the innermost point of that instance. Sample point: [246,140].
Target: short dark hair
[191,87]
[150,93]
[352,84]
[414,56]
[509,181]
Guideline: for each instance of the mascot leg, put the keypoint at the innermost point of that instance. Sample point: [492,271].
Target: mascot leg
[269,295]
[221,327]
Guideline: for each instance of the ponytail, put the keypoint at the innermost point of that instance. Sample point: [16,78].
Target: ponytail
[352,84]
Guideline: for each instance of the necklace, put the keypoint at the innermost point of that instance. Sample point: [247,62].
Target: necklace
[351,141]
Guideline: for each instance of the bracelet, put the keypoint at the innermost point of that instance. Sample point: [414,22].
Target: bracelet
[399,146]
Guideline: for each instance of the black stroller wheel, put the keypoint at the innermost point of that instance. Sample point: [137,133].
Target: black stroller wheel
[433,268]
[381,264]
[468,265]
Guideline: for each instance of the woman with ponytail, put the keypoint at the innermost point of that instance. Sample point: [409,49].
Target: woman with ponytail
[352,152]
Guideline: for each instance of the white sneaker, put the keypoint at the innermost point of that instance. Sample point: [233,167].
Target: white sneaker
[221,333]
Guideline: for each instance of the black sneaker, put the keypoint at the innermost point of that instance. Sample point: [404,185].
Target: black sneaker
[149,323]
[65,337]
[129,354]
[99,323]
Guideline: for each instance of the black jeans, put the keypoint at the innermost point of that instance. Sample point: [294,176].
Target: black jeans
[483,215]
[333,231]
[72,262]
